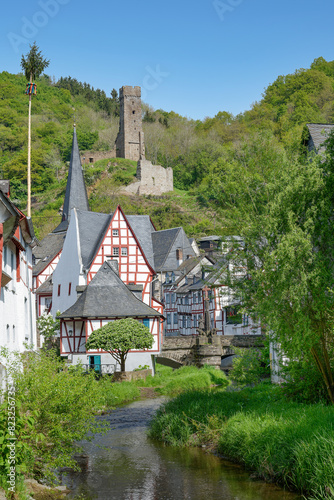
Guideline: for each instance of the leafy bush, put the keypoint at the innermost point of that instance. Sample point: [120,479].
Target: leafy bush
[303,383]
[249,366]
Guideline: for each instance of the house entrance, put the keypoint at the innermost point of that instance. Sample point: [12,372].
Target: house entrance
[95,363]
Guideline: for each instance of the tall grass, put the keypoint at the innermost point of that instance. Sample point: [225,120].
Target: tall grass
[113,394]
[289,443]
[170,382]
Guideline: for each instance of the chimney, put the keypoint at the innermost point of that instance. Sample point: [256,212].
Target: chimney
[4,187]
[79,289]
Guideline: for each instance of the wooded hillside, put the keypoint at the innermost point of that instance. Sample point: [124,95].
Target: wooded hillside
[219,164]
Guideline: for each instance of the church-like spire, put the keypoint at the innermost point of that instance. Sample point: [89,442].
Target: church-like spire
[76,194]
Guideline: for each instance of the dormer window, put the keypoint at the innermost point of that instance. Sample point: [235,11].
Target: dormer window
[173,277]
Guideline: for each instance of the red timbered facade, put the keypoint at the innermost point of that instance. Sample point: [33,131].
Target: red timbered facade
[120,243]
[107,298]
[40,278]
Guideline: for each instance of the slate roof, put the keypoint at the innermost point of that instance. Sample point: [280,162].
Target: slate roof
[143,228]
[210,238]
[318,134]
[107,296]
[48,248]
[76,194]
[45,287]
[189,264]
[162,242]
[92,228]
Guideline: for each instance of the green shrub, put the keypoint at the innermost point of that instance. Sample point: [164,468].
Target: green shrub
[55,407]
[303,383]
[249,366]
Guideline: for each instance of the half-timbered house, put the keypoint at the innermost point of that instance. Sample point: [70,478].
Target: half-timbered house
[184,299]
[17,310]
[177,298]
[107,298]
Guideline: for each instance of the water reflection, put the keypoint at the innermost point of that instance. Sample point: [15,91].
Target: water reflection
[125,465]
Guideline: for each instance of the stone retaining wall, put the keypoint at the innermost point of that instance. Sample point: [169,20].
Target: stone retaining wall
[128,376]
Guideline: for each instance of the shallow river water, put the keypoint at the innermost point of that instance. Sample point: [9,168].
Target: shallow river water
[125,465]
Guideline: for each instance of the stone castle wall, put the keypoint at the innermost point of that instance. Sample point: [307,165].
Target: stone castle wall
[88,157]
[151,179]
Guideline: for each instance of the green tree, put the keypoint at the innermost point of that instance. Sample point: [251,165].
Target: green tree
[33,64]
[288,253]
[118,337]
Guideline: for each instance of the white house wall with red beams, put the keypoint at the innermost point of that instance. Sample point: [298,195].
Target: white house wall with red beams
[75,333]
[47,271]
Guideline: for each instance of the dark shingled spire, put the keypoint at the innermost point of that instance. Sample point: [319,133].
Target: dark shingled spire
[76,194]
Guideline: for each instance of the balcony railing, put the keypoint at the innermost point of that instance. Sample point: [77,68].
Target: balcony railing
[102,369]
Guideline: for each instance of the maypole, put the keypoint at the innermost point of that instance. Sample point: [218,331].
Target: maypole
[33,64]
[31,90]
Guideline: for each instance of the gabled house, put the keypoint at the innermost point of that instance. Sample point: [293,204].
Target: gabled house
[17,310]
[177,307]
[171,248]
[47,253]
[104,299]
[184,299]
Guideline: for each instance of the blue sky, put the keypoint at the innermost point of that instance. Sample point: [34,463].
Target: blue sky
[193,57]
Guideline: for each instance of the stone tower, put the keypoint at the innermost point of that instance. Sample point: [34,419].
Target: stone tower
[130,138]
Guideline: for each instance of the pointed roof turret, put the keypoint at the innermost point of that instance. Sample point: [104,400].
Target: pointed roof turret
[76,194]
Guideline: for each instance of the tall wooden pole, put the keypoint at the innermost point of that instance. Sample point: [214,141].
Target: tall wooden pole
[29,160]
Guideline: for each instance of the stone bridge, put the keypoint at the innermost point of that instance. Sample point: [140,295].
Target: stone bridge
[180,351]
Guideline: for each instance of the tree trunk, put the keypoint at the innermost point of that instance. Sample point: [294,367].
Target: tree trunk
[122,363]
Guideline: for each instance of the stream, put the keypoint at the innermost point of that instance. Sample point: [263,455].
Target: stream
[125,465]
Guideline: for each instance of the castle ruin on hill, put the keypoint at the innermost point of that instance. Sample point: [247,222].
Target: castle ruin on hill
[151,179]
[130,144]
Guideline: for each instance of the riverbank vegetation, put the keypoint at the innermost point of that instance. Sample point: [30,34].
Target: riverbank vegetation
[170,382]
[56,405]
[282,441]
